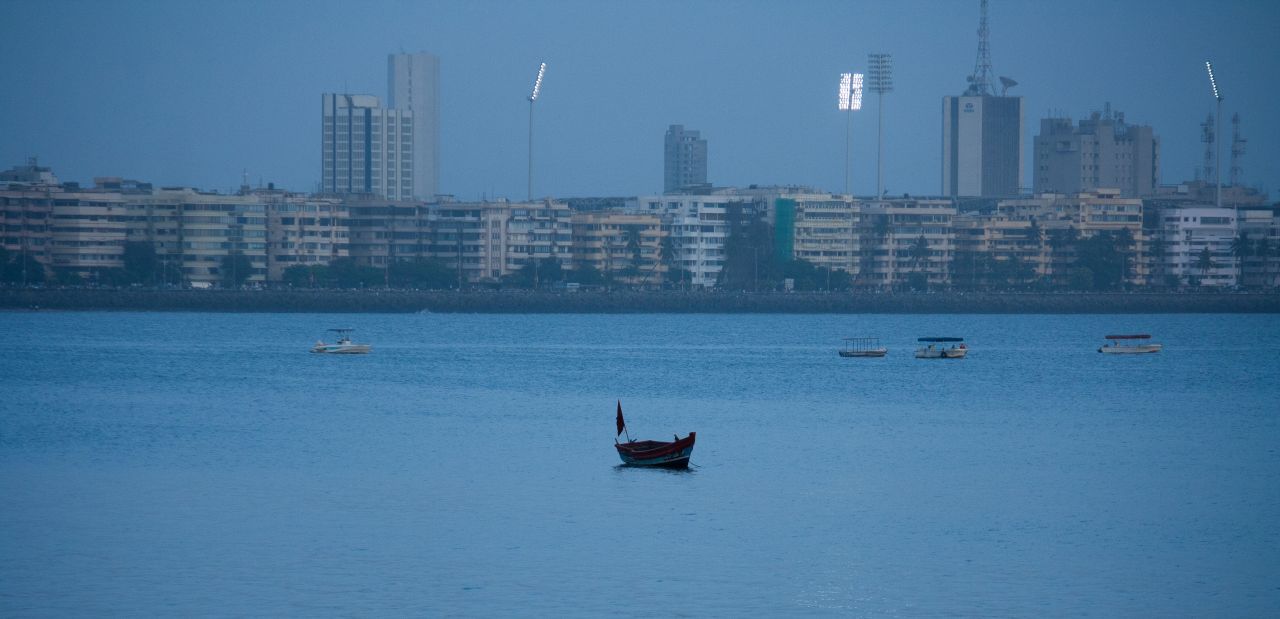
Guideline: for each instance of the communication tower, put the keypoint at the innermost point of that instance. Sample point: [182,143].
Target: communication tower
[980,81]
[1237,149]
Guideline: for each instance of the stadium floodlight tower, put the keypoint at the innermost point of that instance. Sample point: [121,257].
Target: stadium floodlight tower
[1217,133]
[537,88]
[880,76]
[850,101]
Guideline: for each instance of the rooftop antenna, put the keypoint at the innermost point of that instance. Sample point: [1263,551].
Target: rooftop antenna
[1237,149]
[880,78]
[1005,84]
[850,101]
[537,88]
[980,81]
[1217,155]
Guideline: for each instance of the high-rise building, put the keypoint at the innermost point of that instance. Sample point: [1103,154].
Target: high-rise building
[684,160]
[982,132]
[413,83]
[365,148]
[1102,152]
[981,145]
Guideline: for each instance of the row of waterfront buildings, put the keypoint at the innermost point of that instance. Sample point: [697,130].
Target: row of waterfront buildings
[881,243]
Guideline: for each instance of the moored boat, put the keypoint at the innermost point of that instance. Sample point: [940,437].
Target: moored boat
[344,345]
[936,348]
[1120,345]
[659,454]
[863,347]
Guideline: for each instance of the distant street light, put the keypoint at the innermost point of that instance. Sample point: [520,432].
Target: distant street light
[1217,133]
[537,88]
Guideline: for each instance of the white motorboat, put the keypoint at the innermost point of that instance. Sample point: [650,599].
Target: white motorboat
[344,345]
[1119,345]
[937,348]
[862,347]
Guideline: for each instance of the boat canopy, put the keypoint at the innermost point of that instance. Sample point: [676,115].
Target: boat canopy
[1141,336]
[940,339]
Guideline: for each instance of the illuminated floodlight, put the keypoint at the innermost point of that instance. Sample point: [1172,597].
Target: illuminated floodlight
[850,91]
[537,84]
[1212,82]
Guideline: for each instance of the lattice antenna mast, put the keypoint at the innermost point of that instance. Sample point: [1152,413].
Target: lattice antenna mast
[1237,150]
[1206,136]
[980,81]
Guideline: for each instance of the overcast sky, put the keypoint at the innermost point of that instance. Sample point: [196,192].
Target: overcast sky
[194,93]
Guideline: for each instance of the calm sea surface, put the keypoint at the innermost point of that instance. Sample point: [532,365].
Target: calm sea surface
[206,464]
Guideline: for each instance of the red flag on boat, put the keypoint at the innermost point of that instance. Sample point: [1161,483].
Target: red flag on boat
[621,424]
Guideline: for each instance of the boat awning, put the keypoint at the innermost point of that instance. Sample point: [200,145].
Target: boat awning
[940,339]
[1141,336]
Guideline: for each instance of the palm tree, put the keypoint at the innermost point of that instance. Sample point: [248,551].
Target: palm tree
[1123,243]
[1241,248]
[1262,248]
[920,252]
[1159,250]
[1205,263]
[1036,233]
[884,231]
[1060,240]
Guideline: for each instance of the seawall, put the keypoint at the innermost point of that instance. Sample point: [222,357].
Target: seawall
[632,302]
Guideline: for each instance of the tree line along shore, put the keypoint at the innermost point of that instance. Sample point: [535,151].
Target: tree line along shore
[627,301]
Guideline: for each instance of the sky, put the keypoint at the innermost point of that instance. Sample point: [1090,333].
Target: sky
[201,93]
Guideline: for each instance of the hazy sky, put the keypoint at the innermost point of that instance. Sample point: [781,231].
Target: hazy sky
[193,93]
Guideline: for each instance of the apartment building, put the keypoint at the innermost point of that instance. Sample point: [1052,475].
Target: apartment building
[303,231]
[1101,151]
[66,228]
[698,228]
[1192,234]
[1259,228]
[1064,219]
[198,230]
[366,148]
[819,228]
[891,231]
[625,247]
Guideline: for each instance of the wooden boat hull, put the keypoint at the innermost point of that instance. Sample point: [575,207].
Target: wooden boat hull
[1131,350]
[658,454]
[864,353]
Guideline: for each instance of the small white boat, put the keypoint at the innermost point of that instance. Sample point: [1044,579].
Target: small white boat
[862,347]
[937,348]
[1119,345]
[344,345]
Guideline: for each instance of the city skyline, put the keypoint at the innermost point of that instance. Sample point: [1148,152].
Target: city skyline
[223,91]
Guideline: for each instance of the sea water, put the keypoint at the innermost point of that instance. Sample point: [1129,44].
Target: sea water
[206,464]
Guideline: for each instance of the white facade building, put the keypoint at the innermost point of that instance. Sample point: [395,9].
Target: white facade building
[1187,232]
[698,227]
[365,148]
[413,84]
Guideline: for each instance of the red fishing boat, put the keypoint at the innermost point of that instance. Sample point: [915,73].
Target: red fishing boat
[661,454]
